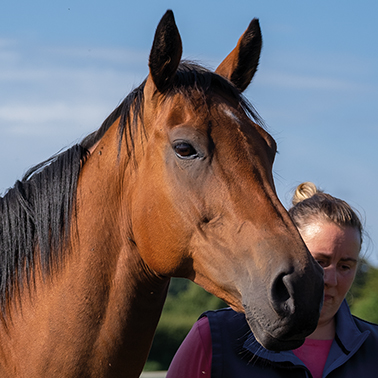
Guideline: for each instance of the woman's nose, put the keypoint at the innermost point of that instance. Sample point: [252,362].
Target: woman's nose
[330,276]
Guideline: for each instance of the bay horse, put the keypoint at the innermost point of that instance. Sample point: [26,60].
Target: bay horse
[177,182]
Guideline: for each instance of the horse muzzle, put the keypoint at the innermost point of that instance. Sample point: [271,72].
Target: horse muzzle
[290,310]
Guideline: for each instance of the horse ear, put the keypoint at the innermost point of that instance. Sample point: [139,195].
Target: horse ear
[166,52]
[241,64]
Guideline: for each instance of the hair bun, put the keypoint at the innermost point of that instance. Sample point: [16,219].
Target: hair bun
[311,204]
[304,191]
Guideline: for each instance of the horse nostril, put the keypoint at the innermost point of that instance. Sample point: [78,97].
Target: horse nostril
[281,299]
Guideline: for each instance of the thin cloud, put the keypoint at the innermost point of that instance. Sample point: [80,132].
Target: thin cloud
[54,87]
[311,82]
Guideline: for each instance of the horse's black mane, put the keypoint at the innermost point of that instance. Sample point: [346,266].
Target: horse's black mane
[36,212]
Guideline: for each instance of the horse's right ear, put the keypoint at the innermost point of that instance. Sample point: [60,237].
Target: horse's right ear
[241,64]
[166,52]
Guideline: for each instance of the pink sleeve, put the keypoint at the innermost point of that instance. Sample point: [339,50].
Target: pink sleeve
[193,358]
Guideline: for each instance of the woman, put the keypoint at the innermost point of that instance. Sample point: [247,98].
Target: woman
[221,345]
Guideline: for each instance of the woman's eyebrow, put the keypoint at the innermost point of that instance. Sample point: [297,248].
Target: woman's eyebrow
[317,255]
[349,259]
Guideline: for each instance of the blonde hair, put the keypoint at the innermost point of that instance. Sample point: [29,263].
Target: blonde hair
[310,203]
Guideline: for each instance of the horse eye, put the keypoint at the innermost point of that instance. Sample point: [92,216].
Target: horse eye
[185,150]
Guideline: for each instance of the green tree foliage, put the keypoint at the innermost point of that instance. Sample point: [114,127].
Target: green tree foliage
[364,300]
[186,301]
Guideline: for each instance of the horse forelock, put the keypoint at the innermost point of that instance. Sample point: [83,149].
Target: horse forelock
[191,77]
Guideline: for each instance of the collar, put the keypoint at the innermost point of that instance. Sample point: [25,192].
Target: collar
[348,336]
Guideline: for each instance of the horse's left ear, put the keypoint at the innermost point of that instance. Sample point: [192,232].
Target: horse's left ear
[166,52]
[241,64]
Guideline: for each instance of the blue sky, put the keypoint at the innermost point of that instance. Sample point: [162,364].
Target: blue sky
[64,66]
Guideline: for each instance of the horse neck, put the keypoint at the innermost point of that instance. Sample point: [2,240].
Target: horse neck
[134,295]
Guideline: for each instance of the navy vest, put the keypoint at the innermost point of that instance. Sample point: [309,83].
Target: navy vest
[237,354]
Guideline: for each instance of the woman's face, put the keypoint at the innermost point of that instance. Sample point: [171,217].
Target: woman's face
[336,249]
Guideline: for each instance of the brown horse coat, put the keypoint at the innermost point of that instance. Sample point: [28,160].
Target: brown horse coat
[177,182]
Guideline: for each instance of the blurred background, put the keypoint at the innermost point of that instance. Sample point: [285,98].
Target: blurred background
[65,65]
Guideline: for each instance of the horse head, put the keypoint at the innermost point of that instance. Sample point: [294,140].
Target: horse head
[203,202]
